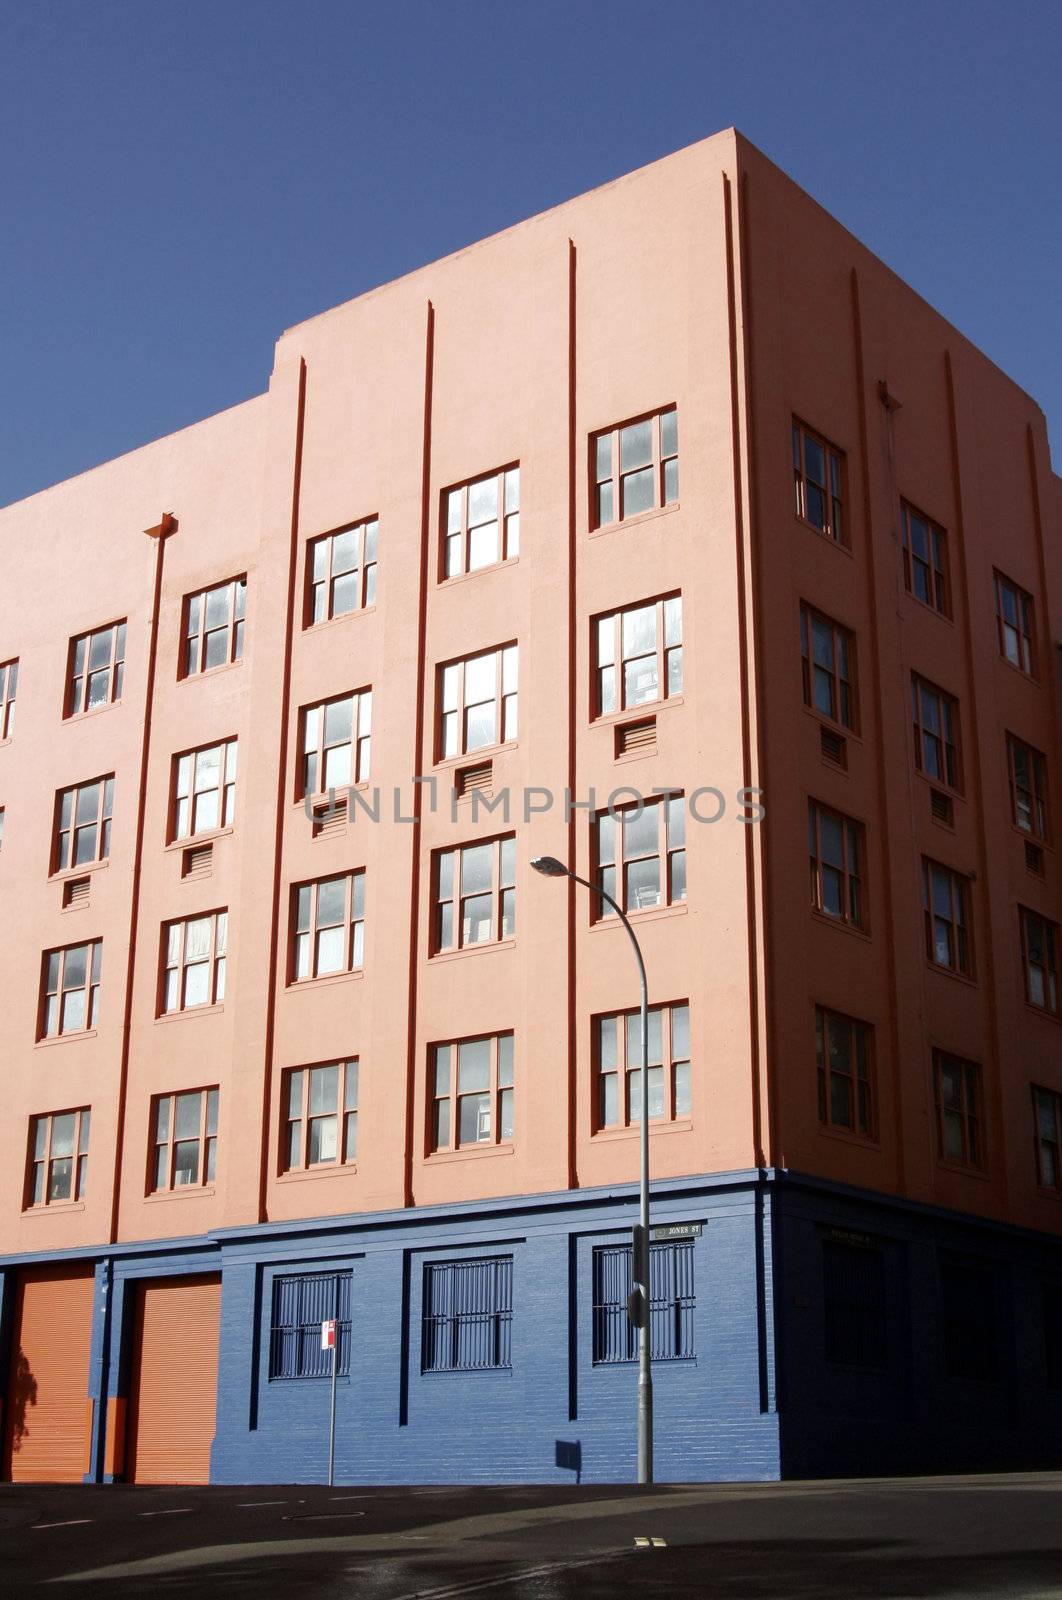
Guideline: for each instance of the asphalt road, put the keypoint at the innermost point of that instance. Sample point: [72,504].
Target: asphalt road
[904,1538]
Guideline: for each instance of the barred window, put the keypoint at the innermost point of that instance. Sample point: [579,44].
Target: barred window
[672,1302]
[341,572]
[83,824]
[213,627]
[8,689]
[300,1304]
[328,927]
[635,467]
[96,669]
[853,1293]
[482,522]
[70,998]
[204,790]
[58,1164]
[818,475]
[468,1313]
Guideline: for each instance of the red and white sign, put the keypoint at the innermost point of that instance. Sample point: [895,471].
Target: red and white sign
[328,1335]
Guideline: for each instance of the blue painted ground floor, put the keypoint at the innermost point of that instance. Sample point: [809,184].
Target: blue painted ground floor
[798,1329]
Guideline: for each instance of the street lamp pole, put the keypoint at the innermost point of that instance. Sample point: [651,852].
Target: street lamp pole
[552,868]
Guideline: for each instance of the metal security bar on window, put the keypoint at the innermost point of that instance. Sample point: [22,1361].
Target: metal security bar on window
[213,627]
[341,572]
[671,1296]
[635,467]
[853,1292]
[639,655]
[204,790]
[8,689]
[97,665]
[83,832]
[482,526]
[300,1305]
[58,1157]
[468,1311]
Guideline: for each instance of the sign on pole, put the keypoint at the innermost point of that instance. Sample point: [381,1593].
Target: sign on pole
[328,1335]
[330,1341]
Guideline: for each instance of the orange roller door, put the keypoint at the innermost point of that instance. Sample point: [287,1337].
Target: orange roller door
[173,1392]
[47,1413]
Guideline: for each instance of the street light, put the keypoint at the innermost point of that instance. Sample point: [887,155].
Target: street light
[550,867]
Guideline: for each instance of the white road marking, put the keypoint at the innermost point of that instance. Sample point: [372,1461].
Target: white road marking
[242,1505]
[326,1516]
[75,1522]
[172,1511]
[496,1583]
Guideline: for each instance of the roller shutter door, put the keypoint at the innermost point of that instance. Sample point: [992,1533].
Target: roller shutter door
[173,1392]
[47,1413]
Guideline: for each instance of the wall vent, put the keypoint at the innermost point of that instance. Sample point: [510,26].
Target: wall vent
[76,892]
[474,780]
[636,738]
[834,746]
[198,861]
[329,820]
[941,808]
[1034,859]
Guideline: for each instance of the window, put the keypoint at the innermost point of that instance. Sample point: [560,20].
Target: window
[1047,1107]
[638,655]
[482,526]
[957,1096]
[1052,1310]
[925,556]
[97,666]
[186,1140]
[853,1297]
[475,894]
[817,482]
[322,1116]
[213,627]
[836,849]
[341,572]
[936,733]
[204,790]
[672,1302]
[944,902]
[194,962]
[468,1314]
[71,999]
[1,827]
[300,1305]
[845,1073]
[969,1293]
[642,459]
[827,654]
[618,1065]
[1039,945]
[1014,625]
[58,1157]
[83,824]
[1027,777]
[8,688]
[641,854]
[329,926]
[472,1092]
[478,702]
[336,742]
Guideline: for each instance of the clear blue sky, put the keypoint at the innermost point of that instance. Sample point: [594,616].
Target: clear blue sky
[181,180]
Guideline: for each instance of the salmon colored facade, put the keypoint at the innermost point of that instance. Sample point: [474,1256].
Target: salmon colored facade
[706,285]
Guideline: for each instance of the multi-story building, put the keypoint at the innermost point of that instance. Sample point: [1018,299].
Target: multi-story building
[673,488]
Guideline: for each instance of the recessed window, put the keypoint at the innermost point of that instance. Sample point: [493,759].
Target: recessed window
[336,742]
[83,824]
[471,1099]
[853,1298]
[1027,778]
[341,572]
[946,912]
[481,522]
[618,1066]
[843,1047]
[193,962]
[672,1302]
[1039,949]
[936,733]
[468,1314]
[328,926]
[478,702]
[640,855]
[300,1304]
[321,1119]
[925,559]
[204,790]
[969,1294]
[475,894]
[8,689]
[184,1149]
[635,467]
[213,627]
[638,655]
[818,477]
[58,1162]
[957,1098]
[827,653]
[1015,625]
[1047,1109]
[96,669]
[70,996]
[836,850]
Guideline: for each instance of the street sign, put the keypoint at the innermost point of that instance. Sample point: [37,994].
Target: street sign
[677,1230]
[328,1335]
